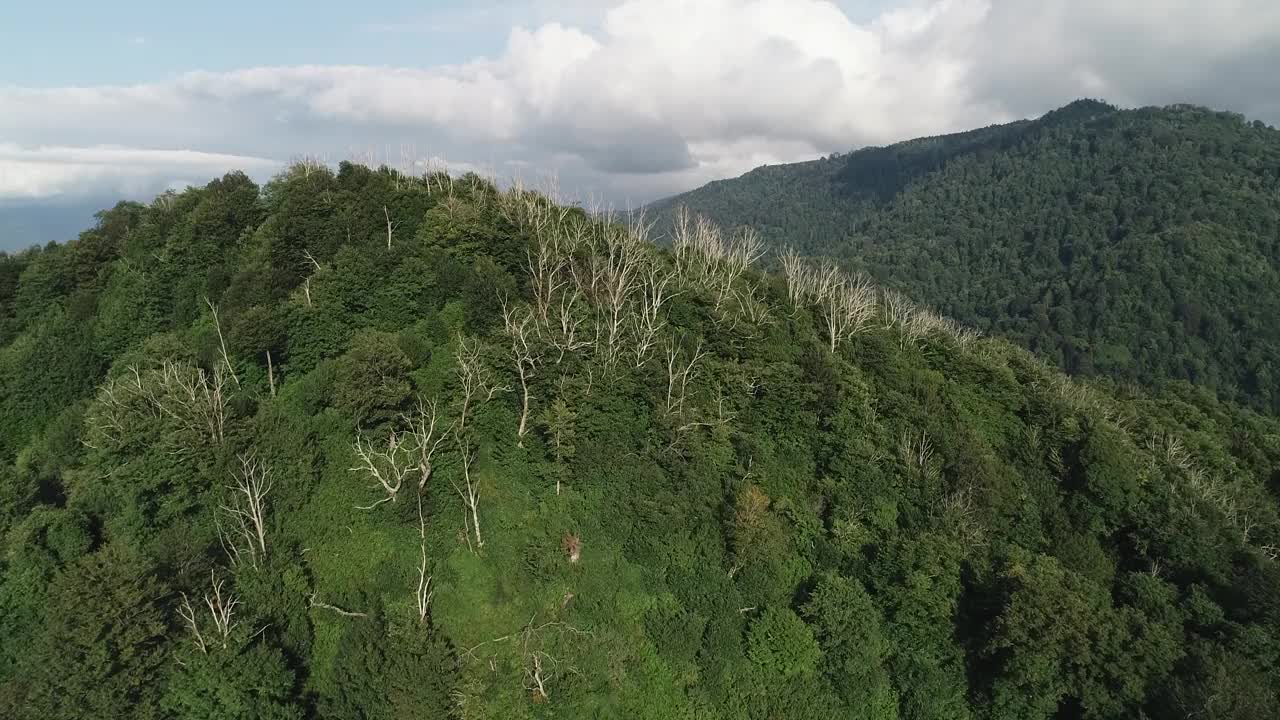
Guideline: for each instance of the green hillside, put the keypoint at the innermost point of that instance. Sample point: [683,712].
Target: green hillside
[357,445]
[1139,244]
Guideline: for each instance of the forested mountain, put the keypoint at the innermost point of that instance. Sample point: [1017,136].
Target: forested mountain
[1140,244]
[358,445]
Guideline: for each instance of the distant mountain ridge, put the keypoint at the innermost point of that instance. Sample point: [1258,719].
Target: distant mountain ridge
[1143,244]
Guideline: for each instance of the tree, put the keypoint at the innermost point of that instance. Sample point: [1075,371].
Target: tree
[249,682]
[781,643]
[373,382]
[102,652]
[850,631]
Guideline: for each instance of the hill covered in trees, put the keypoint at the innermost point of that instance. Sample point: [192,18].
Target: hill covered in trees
[1140,244]
[357,445]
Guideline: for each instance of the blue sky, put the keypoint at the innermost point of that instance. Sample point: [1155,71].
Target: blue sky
[86,42]
[623,100]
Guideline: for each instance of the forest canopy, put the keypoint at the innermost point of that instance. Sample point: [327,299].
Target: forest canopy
[1143,245]
[361,445]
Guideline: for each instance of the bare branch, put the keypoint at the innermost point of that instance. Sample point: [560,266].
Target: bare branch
[246,511]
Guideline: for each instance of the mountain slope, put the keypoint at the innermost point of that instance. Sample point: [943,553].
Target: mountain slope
[1142,244]
[362,445]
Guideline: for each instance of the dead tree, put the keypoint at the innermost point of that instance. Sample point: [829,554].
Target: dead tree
[648,322]
[846,304]
[517,324]
[474,377]
[246,512]
[306,282]
[195,399]
[391,226]
[222,343]
[616,279]
[388,467]
[469,491]
[679,373]
[422,596]
[221,614]
[423,429]
[802,280]
[566,333]
[546,263]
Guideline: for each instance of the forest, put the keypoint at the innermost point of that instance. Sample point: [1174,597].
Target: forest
[1143,245]
[355,444]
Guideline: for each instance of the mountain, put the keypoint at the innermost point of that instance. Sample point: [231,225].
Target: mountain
[1140,244]
[355,444]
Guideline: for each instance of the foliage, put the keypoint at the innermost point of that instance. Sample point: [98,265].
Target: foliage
[1138,244]
[508,460]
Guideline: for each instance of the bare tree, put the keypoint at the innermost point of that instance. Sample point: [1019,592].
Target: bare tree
[648,322]
[194,399]
[475,378]
[422,596]
[517,323]
[221,614]
[846,304]
[306,283]
[222,343]
[391,226]
[566,331]
[546,263]
[388,467]
[531,643]
[246,512]
[616,278]
[469,491]
[679,373]
[802,281]
[423,429]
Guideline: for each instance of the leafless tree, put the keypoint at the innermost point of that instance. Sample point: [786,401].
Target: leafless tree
[469,491]
[648,322]
[846,304]
[422,427]
[531,643]
[246,512]
[221,614]
[802,280]
[474,377]
[222,343]
[616,279]
[422,596]
[518,323]
[391,226]
[388,466]
[546,263]
[312,602]
[565,330]
[679,374]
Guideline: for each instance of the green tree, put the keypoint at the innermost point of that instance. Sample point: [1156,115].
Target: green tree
[102,652]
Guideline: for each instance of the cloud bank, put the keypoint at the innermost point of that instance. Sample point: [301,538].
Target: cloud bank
[650,97]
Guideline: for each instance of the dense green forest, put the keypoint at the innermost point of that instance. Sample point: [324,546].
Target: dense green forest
[360,445]
[1139,244]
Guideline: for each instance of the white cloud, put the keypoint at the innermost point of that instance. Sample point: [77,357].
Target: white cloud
[45,172]
[648,97]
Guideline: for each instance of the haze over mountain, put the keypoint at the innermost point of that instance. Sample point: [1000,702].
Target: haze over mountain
[361,445]
[1143,244]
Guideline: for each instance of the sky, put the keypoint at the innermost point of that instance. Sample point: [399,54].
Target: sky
[620,100]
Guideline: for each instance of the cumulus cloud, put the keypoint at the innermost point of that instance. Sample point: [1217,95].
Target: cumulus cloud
[648,97]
